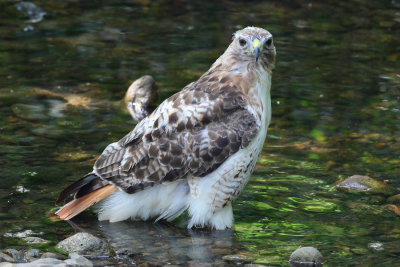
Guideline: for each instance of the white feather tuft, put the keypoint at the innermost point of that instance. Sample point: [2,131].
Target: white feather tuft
[165,201]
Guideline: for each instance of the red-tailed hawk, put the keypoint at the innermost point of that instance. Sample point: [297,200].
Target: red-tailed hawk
[195,152]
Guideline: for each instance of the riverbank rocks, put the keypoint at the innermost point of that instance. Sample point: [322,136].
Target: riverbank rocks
[306,256]
[87,244]
[362,183]
[44,261]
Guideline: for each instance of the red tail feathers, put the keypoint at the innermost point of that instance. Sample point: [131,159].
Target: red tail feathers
[76,206]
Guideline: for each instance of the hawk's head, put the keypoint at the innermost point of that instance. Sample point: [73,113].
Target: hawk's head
[255,45]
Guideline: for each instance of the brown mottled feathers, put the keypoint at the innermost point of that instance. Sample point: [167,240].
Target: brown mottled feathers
[190,134]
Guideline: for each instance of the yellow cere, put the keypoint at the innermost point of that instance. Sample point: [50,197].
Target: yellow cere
[256,43]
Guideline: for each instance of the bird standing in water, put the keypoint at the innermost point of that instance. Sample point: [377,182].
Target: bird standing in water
[195,152]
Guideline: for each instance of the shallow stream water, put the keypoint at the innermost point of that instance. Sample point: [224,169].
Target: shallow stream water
[336,113]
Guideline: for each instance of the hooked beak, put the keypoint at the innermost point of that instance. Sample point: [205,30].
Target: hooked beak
[256,48]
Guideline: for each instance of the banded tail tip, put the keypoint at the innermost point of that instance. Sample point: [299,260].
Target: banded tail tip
[76,206]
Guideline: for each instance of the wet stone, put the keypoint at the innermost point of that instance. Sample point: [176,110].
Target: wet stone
[22,234]
[237,258]
[85,243]
[359,251]
[30,10]
[361,183]
[35,240]
[376,246]
[78,260]
[47,262]
[17,255]
[5,257]
[52,255]
[6,264]
[32,254]
[306,256]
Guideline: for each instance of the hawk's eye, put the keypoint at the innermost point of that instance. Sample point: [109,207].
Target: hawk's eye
[268,43]
[242,42]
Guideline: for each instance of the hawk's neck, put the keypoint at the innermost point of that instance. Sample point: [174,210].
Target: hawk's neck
[253,79]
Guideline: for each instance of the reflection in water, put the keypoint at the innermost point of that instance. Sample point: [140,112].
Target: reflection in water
[161,242]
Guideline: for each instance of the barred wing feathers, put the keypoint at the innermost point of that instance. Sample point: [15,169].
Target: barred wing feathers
[191,134]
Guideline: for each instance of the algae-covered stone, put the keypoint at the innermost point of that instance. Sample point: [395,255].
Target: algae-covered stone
[361,183]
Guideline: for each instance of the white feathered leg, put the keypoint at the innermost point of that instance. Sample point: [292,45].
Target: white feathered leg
[220,219]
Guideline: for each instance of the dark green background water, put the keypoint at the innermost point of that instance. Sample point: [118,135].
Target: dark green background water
[336,112]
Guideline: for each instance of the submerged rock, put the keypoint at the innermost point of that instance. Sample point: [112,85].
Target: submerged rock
[140,97]
[394,199]
[393,208]
[237,258]
[376,246]
[306,256]
[361,183]
[29,112]
[85,243]
[30,10]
